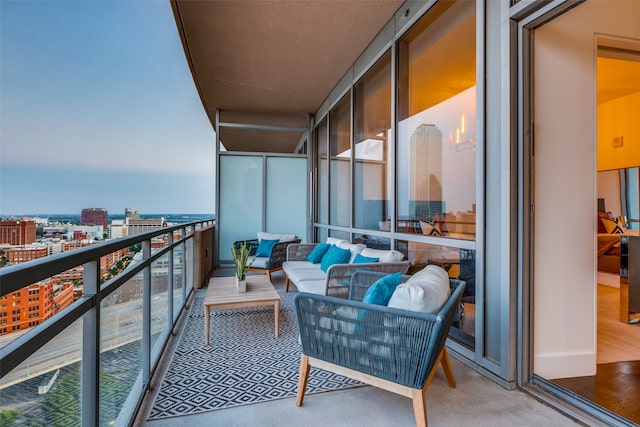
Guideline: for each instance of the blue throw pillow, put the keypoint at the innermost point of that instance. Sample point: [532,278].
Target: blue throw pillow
[380,292]
[360,259]
[334,255]
[265,247]
[318,252]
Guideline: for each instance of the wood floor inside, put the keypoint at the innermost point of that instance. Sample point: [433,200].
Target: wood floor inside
[616,385]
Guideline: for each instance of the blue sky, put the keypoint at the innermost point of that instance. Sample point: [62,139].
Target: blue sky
[98,109]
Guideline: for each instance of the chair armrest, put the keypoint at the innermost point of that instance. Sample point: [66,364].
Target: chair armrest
[279,253]
[398,345]
[253,243]
[299,251]
[339,275]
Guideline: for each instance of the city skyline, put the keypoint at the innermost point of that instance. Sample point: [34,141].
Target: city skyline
[99,109]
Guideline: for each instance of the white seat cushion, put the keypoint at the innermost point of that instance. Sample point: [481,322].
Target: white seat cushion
[300,275]
[280,237]
[258,262]
[311,286]
[426,291]
[299,265]
[383,255]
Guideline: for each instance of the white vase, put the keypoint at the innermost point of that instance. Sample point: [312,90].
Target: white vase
[241,285]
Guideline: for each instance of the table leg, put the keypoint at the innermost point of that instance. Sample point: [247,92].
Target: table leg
[276,309]
[206,324]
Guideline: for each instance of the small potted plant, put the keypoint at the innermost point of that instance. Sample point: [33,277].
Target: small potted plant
[240,255]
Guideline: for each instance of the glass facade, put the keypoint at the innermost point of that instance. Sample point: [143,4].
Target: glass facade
[415,176]
[372,133]
[436,159]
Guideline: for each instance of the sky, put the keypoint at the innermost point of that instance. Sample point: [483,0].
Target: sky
[98,108]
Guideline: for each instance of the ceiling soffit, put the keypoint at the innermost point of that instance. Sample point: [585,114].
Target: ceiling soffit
[277,59]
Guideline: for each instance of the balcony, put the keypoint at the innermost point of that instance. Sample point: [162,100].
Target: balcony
[106,354]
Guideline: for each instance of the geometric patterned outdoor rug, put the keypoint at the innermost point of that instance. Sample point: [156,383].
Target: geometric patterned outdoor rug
[245,363]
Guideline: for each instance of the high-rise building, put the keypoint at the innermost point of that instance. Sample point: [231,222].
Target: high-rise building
[16,232]
[131,213]
[94,216]
[425,182]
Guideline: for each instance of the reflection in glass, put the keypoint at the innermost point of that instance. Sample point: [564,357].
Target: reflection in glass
[372,133]
[436,129]
[178,263]
[160,325]
[459,264]
[339,145]
[120,348]
[373,242]
[32,392]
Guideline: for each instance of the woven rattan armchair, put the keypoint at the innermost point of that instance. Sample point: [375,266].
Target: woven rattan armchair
[397,350]
[267,265]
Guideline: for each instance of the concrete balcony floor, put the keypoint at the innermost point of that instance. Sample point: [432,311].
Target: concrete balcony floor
[476,401]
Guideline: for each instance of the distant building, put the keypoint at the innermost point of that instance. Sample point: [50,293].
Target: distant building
[23,253]
[94,216]
[142,225]
[32,305]
[16,232]
[117,229]
[131,213]
[85,232]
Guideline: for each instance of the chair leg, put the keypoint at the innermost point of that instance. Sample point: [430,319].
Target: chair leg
[269,274]
[446,366]
[303,377]
[286,282]
[419,407]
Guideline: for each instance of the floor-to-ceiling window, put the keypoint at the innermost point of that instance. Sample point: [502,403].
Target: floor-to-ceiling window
[372,131]
[437,124]
[436,146]
[340,161]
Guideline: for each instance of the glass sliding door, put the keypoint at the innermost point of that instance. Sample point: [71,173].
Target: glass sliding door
[436,159]
[322,174]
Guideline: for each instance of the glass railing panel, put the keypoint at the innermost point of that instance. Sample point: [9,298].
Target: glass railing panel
[121,352]
[178,279]
[44,390]
[188,265]
[160,322]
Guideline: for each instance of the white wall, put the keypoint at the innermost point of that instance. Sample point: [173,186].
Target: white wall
[564,294]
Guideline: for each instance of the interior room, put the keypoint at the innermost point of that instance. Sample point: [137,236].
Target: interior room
[615,384]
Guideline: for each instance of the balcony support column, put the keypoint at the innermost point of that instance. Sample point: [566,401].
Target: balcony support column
[90,381]
[170,283]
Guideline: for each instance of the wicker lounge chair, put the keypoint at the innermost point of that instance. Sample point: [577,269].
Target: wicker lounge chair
[269,264]
[397,350]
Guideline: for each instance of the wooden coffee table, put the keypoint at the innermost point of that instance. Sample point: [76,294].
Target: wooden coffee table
[222,294]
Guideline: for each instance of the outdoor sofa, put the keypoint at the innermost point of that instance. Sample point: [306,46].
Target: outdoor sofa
[308,276]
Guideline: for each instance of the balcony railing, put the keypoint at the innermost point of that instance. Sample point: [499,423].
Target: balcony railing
[92,361]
